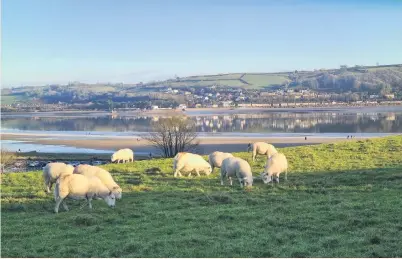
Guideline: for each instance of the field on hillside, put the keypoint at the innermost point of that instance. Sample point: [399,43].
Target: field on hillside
[10,99]
[340,200]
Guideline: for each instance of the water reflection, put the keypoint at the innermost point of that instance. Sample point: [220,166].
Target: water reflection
[281,122]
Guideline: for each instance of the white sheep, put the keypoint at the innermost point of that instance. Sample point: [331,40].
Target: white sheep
[275,165]
[235,166]
[188,162]
[76,186]
[52,171]
[124,155]
[261,148]
[103,175]
[215,159]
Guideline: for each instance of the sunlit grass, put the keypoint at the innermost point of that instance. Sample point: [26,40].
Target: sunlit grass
[340,200]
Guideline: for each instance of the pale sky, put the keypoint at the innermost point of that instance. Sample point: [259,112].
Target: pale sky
[47,41]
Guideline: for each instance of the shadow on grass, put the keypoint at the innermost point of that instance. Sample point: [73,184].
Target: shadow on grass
[207,190]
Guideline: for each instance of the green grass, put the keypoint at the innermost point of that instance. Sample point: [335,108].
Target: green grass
[261,80]
[10,99]
[340,200]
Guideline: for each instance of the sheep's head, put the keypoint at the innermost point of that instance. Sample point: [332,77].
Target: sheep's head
[266,178]
[248,147]
[209,170]
[110,200]
[113,158]
[117,191]
[247,181]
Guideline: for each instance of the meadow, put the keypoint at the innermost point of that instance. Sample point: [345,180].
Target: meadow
[340,200]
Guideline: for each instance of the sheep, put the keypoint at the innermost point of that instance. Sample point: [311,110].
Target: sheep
[215,159]
[52,171]
[124,155]
[76,186]
[235,166]
[188,162]
[103,175]
[261,148]
[275,165]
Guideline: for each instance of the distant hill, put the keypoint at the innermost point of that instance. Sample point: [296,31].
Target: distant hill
[384,79]
[327,80]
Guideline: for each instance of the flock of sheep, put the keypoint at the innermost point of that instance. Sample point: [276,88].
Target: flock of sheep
[89,182]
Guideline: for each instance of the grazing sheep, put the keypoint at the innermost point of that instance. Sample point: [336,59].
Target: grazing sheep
[261,148]
[124,155]
[188,162]
[234,166]
[103,175]
[275,165]
[52,171]
[76,186]
[215,159]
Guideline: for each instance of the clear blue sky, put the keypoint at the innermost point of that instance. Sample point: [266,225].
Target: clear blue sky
[56,41]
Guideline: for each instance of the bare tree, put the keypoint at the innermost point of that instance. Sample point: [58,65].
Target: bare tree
[7,158]
[173,135]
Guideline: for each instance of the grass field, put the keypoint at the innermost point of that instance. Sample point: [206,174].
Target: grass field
[261,80]
[340,200]
[10,99]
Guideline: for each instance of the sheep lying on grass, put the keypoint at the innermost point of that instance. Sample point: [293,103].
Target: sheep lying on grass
[275,165]
[77,186]
[188,162]
[234,166]
[52,171]
[123,155]
[261,148]
[103,175]
[215,159]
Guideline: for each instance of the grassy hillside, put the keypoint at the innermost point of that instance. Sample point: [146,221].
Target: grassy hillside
[369,80]
[340,200]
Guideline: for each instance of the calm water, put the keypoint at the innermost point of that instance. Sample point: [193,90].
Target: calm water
[347,121]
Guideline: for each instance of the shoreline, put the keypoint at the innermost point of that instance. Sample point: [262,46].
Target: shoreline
[209,111]
[141,146]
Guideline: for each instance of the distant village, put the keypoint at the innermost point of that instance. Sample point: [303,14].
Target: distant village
[210,97]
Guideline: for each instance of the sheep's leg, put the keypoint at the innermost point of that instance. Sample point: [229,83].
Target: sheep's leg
[64,205]
[241,183]
[254,155]
[197,171]
[230,180]
[286,174]
[89,203]
[47,185]
[222,177]
[58,201]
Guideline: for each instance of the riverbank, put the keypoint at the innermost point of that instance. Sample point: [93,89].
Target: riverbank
[208,111]
[141,146]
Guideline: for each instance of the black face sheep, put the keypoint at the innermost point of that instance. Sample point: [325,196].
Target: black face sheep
[236,167]
[52,171]
[275,165]
[76,186]
[215,159]
[103,175]
[261,148]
